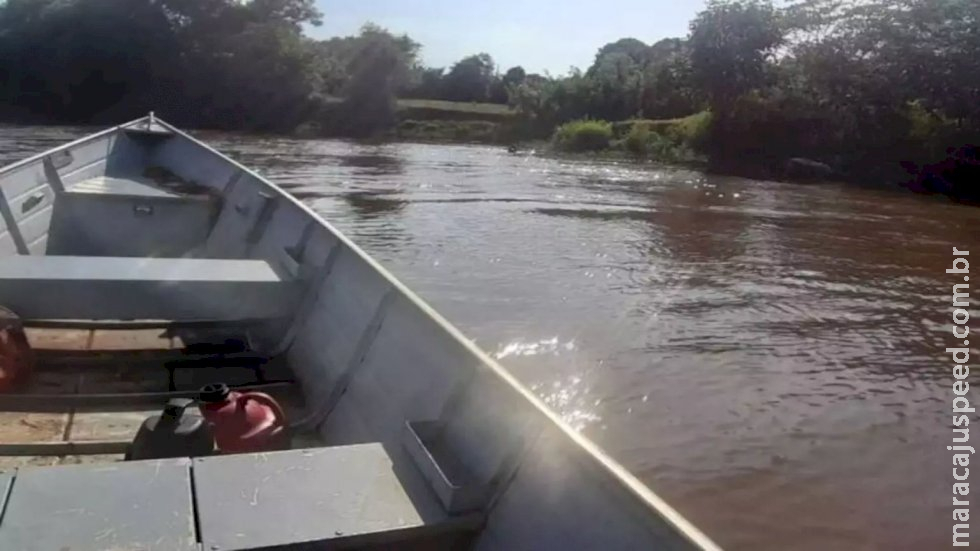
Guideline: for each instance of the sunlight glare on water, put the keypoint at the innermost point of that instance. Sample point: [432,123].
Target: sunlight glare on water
[567,396]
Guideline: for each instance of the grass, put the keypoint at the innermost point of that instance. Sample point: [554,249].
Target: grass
[583,135]
[438,110]
[673,141]
[692,130]
[668,140]
[638,140]
[457,106]
[691,127]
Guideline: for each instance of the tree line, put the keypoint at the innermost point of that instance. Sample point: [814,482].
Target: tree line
[872,87]
[216,63]
[857,84]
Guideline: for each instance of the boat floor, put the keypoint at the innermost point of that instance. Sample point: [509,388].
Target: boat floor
[98,385]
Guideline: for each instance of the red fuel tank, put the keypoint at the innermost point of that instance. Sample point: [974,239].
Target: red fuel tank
[244,422]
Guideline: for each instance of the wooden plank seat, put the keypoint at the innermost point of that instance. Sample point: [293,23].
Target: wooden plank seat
[140,288]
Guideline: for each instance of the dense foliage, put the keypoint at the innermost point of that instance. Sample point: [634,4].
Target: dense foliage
[213,62]
[866,86]
[862,85]
[584,135]
[218,63]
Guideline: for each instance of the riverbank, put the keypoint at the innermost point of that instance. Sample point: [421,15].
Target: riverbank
[685,142]
[674,142]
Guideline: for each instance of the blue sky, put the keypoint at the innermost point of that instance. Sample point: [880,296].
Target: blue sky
[540,35]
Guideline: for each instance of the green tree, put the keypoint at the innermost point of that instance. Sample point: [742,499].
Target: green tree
[902,50]
[503,86]
[669,90]
[731,41]
[470,78]
[330,60]
[616,83]
[295,13]
[636,50]
[426,83]
[378,67]
[665,50]
[515,76]
[194,61]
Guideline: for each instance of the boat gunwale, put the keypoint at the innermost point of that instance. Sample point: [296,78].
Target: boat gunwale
[602,461]
[40,156]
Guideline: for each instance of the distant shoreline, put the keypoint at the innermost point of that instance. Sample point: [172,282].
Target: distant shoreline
[468,132]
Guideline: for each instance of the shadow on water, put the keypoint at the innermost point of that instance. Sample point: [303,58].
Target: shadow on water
[375,163]
[369,204]
[596,214]
[302,194]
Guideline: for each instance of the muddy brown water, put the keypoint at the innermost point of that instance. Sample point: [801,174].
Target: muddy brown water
[767,356]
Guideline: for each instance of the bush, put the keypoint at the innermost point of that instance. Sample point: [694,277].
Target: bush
[636,140]
[669,150]
[583,135]
[930,133]
[692,131]
[668,141]
[622,129]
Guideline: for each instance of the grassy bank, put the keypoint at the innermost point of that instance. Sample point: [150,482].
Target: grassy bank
[693,141]
[422,121]
[667,141]
[450,121]
[455,131]
[437,110]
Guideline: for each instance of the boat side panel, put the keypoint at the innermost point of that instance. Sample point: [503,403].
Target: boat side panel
[36,227]
[407,374]
[559,500]
[487,428]
[7,244]
[86,160]
[30,199]
[325,347]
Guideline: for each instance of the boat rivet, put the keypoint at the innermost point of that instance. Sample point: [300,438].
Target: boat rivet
[338,533]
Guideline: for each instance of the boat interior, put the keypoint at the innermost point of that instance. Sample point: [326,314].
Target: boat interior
[131,291]
[142,265]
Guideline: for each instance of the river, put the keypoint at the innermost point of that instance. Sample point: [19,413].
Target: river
[767,356]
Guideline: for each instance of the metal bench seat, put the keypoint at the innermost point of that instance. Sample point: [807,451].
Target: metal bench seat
[347,497]
[139,288]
